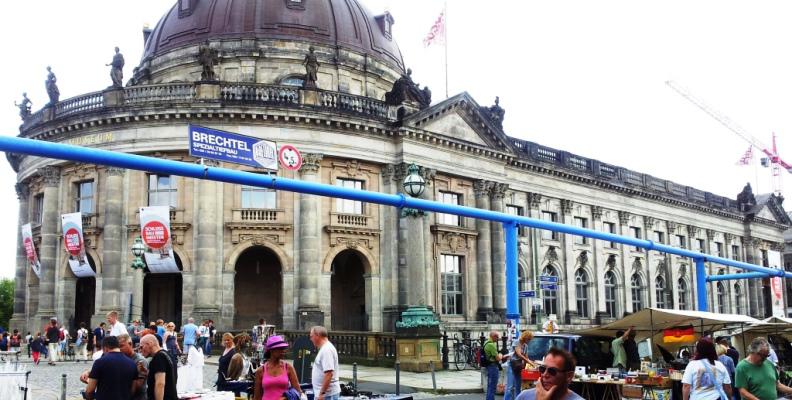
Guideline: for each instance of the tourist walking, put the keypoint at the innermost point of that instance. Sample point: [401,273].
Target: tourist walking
[28,341]
[557,371]
[203,335]
[127,347]
[81,344]
[190,333]
[275,377]
[53,337]
[112,375]
[324,374]
[170,343]
[516,364]
[490,364]
[36,346]
[755,376]
[161,379]
[705,377]
[15,341]
[98,335]
[115,326]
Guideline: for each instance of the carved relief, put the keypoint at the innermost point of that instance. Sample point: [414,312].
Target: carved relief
[260,239]
[692,231]
[534,200]
[387,171]
[661,268]
[311,163]
[582,258]
[610,263]
[710,234]
[566,206]
[596,212]
[498,190]
[551,254]
[682,269]
[456,242]
[82,171]
[636,265]
[671,227]
[351,243]
[114,171]
[50,175]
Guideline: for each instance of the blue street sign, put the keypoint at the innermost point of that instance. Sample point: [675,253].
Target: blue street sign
[548,286]
[233,148]
[548,278]
[527,293]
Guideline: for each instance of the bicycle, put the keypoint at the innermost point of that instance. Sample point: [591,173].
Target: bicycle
[465,353]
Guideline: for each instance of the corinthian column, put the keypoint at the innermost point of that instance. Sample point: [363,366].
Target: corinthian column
[310,244]
[481,190]
[112,244]
[498,252]
[206,265]
[49,244]
[19,318]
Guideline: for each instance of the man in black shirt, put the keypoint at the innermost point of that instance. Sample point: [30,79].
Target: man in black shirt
[161,378]
[112,375]
[631,349]
[53,337]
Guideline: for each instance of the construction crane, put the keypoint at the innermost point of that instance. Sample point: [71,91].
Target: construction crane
[773,159]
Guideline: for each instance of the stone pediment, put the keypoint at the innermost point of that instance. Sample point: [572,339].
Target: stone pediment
[766,214]
[461,118]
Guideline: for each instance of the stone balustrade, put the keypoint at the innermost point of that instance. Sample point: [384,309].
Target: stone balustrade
[256,215]
[358,220]
[170,92]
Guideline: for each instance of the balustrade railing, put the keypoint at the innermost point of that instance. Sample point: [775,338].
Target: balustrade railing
[370,348]
[354,104]
[86,102]
[256,93]
[255,215]
[350,219]
[169,92]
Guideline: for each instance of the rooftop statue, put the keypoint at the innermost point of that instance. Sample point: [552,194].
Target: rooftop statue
[52,87]
[746,199]
[311,69]
[117,70]
[404,89]
[496,113]
[24,107]
[208,58]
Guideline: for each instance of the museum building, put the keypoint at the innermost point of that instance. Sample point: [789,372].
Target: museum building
[328,78]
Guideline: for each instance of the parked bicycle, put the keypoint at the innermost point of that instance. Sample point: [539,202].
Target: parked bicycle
[466,353]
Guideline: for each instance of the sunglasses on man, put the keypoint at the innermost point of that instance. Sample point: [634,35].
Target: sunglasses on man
[553,371]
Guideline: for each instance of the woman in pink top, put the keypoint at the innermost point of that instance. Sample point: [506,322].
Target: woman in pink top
[275,376]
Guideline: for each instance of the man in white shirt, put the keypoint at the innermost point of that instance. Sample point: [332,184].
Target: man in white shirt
[324,374]
[116,326]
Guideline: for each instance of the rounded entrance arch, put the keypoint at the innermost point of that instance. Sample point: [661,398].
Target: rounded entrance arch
[258,288]
[85,297]
[348,292]
[162,295]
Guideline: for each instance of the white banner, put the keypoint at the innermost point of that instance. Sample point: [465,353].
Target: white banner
[155,231]
[75,246]
[30,249]
[776,285]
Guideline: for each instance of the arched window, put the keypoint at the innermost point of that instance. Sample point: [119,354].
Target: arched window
[683,293]
[738,299]
[610,294]
[581,293]
[637,291]
[660,294]
[549,296]
[721,298]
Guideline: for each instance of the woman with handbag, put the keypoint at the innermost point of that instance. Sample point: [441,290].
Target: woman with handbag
[517,362]
[275,377]
[705,377]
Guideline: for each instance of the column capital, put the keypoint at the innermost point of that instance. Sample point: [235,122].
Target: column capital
[648,223]
[692,230]
[115,171]
[481,188]
[534,200]
[596,212]
[498,190]
[671,227]
[624,217]
[387,171]
[710,234]
[22,191]
[311,162]
[50,175]
[729,237]
[566,206]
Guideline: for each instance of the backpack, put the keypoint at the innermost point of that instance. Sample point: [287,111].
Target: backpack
[481,356]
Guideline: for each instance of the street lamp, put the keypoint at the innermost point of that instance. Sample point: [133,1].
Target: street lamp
[414,184]
[137,250]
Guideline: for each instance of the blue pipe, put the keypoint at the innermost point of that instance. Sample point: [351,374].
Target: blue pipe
[142,163]
[745,275]
[701,284]
[512,301]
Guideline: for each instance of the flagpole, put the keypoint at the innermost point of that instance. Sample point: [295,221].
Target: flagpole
[445,46]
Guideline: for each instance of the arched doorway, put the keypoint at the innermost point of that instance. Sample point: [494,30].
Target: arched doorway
[162,296]
[348,292]
[257,288]
[85,298]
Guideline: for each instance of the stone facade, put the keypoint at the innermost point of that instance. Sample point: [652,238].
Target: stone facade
[299,259]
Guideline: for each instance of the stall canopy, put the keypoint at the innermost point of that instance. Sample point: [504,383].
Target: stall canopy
[778,326]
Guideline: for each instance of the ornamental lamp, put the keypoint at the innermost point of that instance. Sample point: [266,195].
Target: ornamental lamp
[414,184]
[137,250]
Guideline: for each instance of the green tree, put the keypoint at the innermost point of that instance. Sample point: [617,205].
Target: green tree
[6,301]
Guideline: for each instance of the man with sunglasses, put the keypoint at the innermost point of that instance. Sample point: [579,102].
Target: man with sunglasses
[557,371]
[755,376]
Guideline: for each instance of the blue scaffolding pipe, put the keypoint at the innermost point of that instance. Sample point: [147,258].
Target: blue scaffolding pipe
[509,221]
[746,275]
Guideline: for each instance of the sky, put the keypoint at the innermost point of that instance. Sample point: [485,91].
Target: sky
[583,76]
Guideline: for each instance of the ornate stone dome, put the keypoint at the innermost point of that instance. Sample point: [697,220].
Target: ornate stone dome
[343,24]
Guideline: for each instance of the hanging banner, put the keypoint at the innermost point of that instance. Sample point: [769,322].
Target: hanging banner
[776,285]
[30,249]
[155,231]
[75,246]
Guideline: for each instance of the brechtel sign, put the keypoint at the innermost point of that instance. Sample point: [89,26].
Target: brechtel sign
[231,147]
